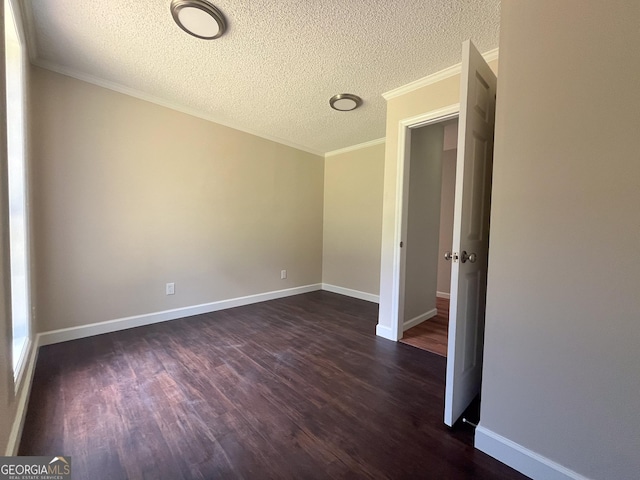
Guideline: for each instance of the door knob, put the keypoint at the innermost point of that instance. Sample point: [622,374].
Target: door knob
[449,256]
[472,257]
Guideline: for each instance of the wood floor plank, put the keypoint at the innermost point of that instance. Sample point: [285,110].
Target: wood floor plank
[298,387]
[431,335]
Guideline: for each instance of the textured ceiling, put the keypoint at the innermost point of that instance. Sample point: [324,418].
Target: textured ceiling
[280,61]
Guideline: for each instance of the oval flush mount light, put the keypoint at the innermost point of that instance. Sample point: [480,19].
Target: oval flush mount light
[345,102]
[198,18]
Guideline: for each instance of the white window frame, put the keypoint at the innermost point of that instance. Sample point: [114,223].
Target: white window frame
[12,14]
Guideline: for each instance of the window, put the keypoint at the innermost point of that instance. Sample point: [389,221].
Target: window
[18,220]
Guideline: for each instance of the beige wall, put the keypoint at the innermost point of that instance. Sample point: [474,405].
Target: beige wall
[353,219]
[130,195]
[562,363]
[449,158]
[426,99]
[423,221]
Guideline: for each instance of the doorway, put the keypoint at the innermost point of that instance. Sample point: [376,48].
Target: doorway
[432,165]
[469,252]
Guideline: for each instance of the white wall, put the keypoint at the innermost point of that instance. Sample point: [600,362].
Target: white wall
[423,220]
[562,364]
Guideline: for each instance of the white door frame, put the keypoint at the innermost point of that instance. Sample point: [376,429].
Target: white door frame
[402,201]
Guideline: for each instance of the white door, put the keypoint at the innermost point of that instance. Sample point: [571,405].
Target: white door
[470,234]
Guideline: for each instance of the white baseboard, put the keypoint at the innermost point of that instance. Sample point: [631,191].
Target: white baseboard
[22,398]
[419,319]
[386,332]
[369,297]
[443,295]
[520,458]
[73,333]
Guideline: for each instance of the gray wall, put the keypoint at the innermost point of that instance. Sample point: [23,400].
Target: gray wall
[423,220]
[562,363]
[449,158]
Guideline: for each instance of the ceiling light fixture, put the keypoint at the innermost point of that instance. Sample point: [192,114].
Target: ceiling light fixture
[345,102]
[198,18]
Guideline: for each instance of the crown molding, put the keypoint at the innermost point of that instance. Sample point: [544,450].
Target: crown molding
[32,49]
[132,92]
[489,56]
[355,147]
[23,21]
[26,27]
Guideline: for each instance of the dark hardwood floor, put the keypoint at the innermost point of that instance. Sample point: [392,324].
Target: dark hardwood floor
[297,388]
[431,335]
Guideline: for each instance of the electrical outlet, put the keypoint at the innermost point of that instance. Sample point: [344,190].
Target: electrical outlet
[283,274]
[171,288]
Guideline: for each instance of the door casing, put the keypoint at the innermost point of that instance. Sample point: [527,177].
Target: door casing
[402,204]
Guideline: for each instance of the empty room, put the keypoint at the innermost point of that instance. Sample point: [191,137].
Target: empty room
[224,221]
